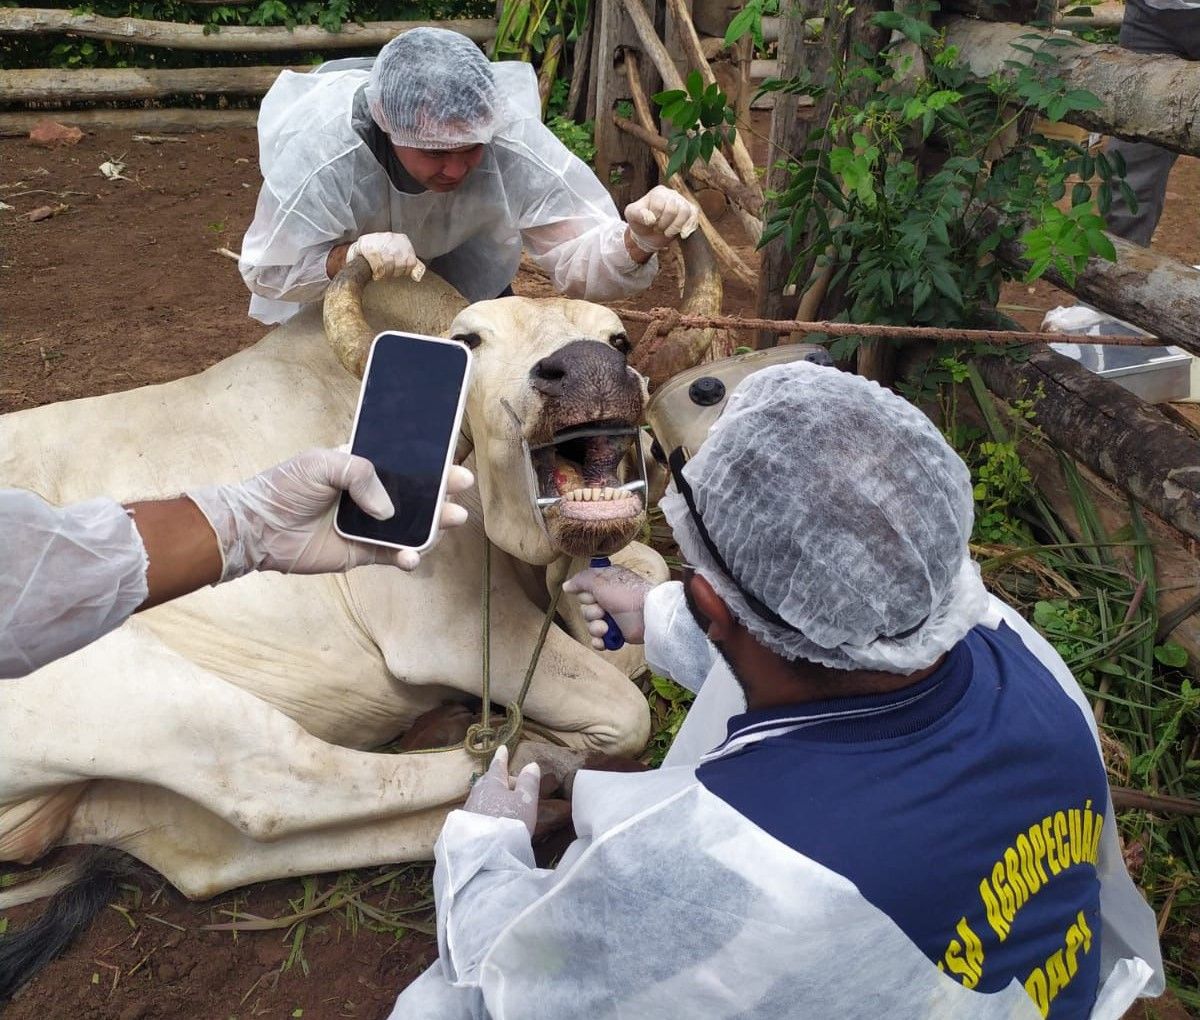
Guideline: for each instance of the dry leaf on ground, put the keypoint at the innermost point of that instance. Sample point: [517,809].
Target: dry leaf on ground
[45,212]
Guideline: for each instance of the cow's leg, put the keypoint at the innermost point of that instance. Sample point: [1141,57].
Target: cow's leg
[203,855]
[128,707]
[588,703]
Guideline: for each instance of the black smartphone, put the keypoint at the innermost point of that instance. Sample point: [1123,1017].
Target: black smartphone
[409,413]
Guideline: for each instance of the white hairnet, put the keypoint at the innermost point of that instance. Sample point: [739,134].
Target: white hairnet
[841,507]
[434,89]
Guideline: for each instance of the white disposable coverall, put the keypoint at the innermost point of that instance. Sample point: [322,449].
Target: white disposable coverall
[322,186]
[67,576]
[618,930]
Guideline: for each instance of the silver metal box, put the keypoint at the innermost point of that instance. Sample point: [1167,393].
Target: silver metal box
[1156,374]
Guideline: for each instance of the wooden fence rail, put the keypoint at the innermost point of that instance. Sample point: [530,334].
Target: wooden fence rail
[228,39]
[56,85]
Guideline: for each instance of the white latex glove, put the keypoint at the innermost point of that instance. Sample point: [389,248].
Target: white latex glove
[388,255]
[497,795]
[614,590]
[282,519]
[660,215]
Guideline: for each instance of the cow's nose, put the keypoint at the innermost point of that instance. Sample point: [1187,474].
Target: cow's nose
[559,372]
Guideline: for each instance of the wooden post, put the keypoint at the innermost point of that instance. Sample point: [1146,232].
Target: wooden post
[673,41]
[789,130]
[622,162]
[1151,290]
[54,85]
[788,134]
[581,62]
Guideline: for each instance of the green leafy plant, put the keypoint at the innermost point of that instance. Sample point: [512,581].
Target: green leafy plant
[916,179]
[579,138]
[539,31]
[669,703]
[701,121]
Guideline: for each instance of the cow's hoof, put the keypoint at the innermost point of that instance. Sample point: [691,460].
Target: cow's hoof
[444,726]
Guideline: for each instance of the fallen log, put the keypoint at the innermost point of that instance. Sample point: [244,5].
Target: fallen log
[230,38]
[1177,570]
[1176,565]
[13,125]
[1125,799]
[56,85]
[1151,290]
[1143,97]
[1123,439]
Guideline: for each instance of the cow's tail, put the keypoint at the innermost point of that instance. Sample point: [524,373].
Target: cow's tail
[80,891]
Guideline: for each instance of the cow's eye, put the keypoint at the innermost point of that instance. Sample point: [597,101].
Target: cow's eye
[621,342]
[472,340]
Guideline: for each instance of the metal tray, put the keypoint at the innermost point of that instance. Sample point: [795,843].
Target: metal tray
[1156,374]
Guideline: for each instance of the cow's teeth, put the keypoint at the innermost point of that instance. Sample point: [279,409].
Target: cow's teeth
[595,495]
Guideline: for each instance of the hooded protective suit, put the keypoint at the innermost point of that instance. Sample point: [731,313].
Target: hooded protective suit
[67,576]
[323,186]
[618,930]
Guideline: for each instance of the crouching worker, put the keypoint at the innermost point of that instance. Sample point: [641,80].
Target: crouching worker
[910,818]
[436,157]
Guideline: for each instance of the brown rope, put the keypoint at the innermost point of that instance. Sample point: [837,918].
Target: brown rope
[666,319]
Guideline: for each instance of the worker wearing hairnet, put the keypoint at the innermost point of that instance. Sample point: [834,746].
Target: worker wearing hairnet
[908,816]
[70,575]
[435,157]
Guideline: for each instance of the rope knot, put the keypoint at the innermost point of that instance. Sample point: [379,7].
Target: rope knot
[662,322]
[482,741]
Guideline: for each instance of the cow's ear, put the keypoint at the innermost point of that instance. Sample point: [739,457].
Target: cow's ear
[621,342]
[472,340]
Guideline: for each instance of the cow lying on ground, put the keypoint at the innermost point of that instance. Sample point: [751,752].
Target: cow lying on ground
[225,738]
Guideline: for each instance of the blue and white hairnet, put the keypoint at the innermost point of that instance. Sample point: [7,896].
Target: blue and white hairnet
[431,88]
[841,507]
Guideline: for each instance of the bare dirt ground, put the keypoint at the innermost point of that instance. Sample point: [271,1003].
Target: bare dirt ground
[124,288]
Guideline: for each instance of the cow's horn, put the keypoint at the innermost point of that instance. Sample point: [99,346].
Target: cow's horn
[345,325]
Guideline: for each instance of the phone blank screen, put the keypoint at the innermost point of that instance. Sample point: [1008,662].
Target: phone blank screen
[405,428]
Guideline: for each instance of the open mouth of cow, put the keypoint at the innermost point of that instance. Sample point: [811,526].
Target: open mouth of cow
[582,469]
[590,488]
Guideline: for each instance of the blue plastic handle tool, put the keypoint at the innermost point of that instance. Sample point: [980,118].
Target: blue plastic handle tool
[613,638]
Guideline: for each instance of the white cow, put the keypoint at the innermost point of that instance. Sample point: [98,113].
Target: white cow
[224,739]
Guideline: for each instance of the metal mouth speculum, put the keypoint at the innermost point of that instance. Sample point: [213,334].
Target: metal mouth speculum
[590,453]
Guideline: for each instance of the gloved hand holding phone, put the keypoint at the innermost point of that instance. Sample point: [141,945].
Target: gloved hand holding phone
[282,519]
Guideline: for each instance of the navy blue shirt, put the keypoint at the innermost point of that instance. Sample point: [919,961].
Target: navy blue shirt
[967,807]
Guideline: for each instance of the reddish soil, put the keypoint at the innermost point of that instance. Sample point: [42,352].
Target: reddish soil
[124,289]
